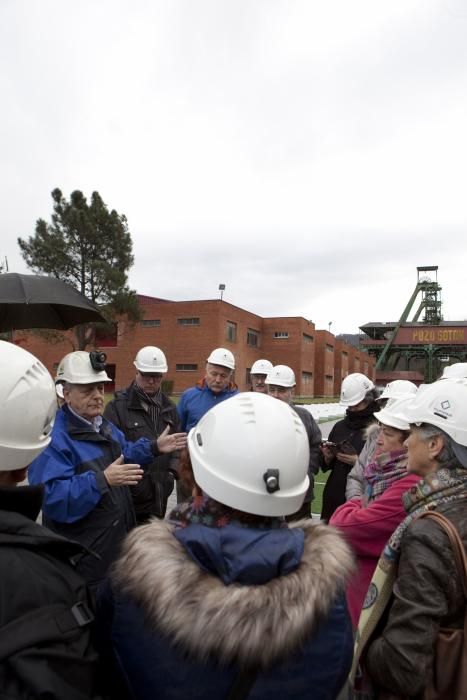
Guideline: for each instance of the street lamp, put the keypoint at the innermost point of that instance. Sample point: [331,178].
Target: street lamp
[329,326]
[221,289]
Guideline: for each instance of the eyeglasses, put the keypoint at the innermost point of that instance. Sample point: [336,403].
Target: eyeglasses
[147,375]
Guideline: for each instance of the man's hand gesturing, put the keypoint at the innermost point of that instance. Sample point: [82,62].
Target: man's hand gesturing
[120,474]
[169,443]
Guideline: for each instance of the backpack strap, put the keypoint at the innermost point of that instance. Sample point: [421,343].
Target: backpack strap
[456,544]
[42,625]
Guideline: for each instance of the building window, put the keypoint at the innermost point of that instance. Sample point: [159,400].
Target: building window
[150,322]
[307,339]
[186,368]
[252,338]
[329,348]
[329,378]
[307,377]
[281,334]
[231,331]
[247,376]
[344,354]
[188,321]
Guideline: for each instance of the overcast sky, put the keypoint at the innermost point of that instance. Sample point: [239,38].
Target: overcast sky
[307,154]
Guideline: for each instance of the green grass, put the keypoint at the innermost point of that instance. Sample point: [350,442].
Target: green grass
[320,480]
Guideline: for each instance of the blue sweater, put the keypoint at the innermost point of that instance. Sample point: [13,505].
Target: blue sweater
[195,402]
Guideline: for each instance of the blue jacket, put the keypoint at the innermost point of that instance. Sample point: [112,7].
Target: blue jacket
[78,502]
[195,402]
[202,604]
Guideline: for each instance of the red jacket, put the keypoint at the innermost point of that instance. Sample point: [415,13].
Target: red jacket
[367,530]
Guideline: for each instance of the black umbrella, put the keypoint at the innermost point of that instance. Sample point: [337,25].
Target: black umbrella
[35,301]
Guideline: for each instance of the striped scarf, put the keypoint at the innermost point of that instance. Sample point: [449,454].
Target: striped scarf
[151,404]
[436,489]
[387,468]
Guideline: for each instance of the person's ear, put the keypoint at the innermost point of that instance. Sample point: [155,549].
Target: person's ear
[435,446]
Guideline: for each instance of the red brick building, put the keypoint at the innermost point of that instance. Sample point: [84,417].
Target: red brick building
[187,331]
[325,363]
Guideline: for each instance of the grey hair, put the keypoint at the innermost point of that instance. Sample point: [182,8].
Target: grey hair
[447,457]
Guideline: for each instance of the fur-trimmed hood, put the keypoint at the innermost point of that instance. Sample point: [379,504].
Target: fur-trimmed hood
[371,431]
[237,623]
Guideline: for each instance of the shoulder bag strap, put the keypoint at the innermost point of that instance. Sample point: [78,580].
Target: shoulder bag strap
[42,625]
[456,544]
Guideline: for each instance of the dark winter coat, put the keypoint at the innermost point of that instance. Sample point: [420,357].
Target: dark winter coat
[44,652]
[78,502]
[427,596]
[352,429]
[223,599]
[314,441]
[128,413]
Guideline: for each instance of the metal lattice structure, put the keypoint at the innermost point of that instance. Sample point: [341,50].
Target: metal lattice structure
[423,345]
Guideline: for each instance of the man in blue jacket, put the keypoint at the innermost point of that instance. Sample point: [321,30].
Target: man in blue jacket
[88,466]
[216,386]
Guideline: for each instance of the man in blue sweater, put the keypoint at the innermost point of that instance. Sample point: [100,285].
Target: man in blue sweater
[216,386]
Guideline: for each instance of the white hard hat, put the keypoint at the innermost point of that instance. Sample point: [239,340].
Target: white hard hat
[76,368]
[267,472]
[281,375]
[393,414]
[354,388]
[27,407]
[455,371]
[261,367]
[442,404]
[150,359]
[222,357]
[398,389]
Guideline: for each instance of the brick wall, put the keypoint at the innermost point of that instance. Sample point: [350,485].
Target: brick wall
[291,341]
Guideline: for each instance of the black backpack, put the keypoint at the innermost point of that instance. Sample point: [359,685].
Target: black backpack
[47,649]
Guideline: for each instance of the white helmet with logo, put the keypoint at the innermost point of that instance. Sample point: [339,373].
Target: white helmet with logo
[354,388]
[393,414]
[281,375]
[261,367]
[398,389]
[267,472]
[222,357]
[455,371]
[76,368]
[442,404]
[151,359]
[27,407]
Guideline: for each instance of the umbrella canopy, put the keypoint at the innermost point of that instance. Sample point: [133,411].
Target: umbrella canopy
[35,301]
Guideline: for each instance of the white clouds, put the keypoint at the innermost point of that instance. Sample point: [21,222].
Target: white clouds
[307,154]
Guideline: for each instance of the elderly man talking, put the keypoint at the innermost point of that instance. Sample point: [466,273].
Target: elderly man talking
[88,466]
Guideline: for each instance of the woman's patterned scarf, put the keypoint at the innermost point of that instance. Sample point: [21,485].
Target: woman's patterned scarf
[203,510]
[436,489]
[386,468]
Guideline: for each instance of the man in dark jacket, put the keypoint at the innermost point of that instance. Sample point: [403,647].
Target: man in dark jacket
[280,382]
[43,600]
[88,466]
[143,410]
